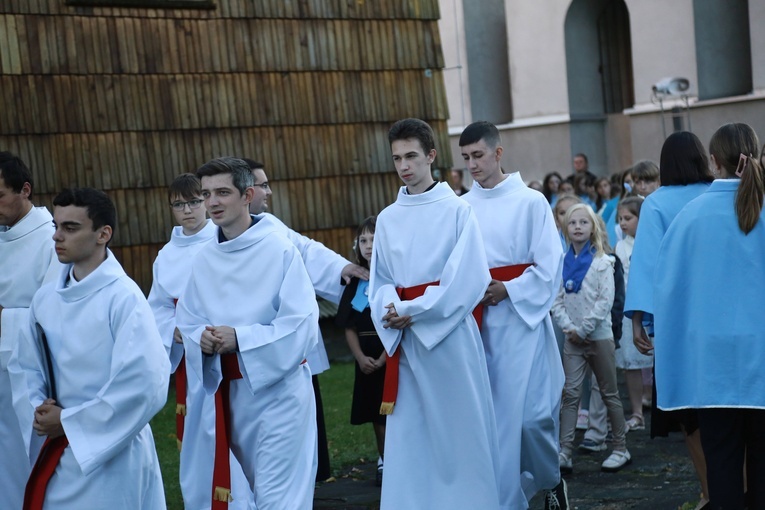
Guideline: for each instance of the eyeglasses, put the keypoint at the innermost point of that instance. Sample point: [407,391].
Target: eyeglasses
[193,204]
[263,185]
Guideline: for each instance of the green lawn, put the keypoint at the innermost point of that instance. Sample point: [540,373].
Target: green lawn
[348,444]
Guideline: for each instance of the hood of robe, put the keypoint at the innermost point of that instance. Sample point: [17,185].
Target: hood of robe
[180,240]
[263,227]
[510,184]
[440,192]
[109,271]
[36,218]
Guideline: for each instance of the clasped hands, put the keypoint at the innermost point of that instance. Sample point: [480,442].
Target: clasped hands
[393,320]
[218,340]
[48,419]
[495,293]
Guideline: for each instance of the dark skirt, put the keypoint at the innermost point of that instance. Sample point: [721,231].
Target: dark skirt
[368,388]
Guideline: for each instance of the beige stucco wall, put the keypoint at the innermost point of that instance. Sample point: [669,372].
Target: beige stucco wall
[537,57]
[452,28]
[663,44]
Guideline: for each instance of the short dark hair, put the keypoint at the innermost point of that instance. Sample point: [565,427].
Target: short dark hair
[241,175]
[15,173]
[407,129]
[186,186]
[368,225]
[100,207]
[254,165]
[583,156]
[683,160]
[478,131]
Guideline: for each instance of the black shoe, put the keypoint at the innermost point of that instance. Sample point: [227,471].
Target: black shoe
[557,498]
[378,477]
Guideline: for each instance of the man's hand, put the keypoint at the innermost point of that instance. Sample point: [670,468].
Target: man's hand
[352,270]
[494,294]
[177,337]
[392,319]
[207,341]
[48,420]
[224,339]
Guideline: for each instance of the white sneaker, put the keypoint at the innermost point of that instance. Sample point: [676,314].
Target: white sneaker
[616,461]
[564,461]
[583,420]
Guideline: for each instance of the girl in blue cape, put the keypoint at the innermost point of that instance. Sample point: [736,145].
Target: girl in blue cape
[710,339]
[583,311]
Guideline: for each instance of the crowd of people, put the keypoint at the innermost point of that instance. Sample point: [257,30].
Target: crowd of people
[481,340]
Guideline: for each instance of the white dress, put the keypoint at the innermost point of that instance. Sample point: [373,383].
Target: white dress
[627,355]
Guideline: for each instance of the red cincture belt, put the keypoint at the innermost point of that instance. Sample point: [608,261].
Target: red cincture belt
[222,469]
[390,387]
[503,274]
[180,394]
[50,455]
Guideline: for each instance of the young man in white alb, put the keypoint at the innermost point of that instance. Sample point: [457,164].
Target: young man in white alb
[525,258]
[428,273]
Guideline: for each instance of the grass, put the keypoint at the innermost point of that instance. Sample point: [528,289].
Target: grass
[348,444]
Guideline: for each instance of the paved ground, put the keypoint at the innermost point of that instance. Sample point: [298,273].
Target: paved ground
[660,477]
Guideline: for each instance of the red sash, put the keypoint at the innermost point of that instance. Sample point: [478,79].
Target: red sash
[50,455]
[390,386]
[503,274]
[180,394]
[222,469]
[180,399]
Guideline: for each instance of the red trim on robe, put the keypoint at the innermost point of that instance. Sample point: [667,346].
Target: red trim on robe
[47,461]
[221,486]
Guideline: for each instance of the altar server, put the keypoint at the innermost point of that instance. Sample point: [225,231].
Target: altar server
[27,260]
[96,371]
[525,257]
[248,317]
[428,272]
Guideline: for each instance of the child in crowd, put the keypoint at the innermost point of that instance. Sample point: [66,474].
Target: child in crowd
[628,358]
[550,187]
[354,315]
[645,173]
[561,207]
[583,311]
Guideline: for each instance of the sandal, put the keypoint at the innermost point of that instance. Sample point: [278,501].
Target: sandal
[635,422]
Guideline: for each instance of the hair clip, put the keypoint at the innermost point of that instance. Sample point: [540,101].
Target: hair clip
[743,159]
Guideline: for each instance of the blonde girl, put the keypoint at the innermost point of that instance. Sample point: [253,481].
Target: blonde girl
[583,311]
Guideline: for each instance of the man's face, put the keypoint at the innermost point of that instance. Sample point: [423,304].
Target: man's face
[191,216]
[12,204]
[75,239]
[259,202]
[412,164]
[483,162]
[223,202]
[580,164]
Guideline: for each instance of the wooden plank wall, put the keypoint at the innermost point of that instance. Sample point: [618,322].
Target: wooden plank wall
[125,99]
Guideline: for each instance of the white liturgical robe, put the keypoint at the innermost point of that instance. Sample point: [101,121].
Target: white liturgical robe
[441,440]
[171,271]
[257,284]
[524,363]
[111,374]
[27,260]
